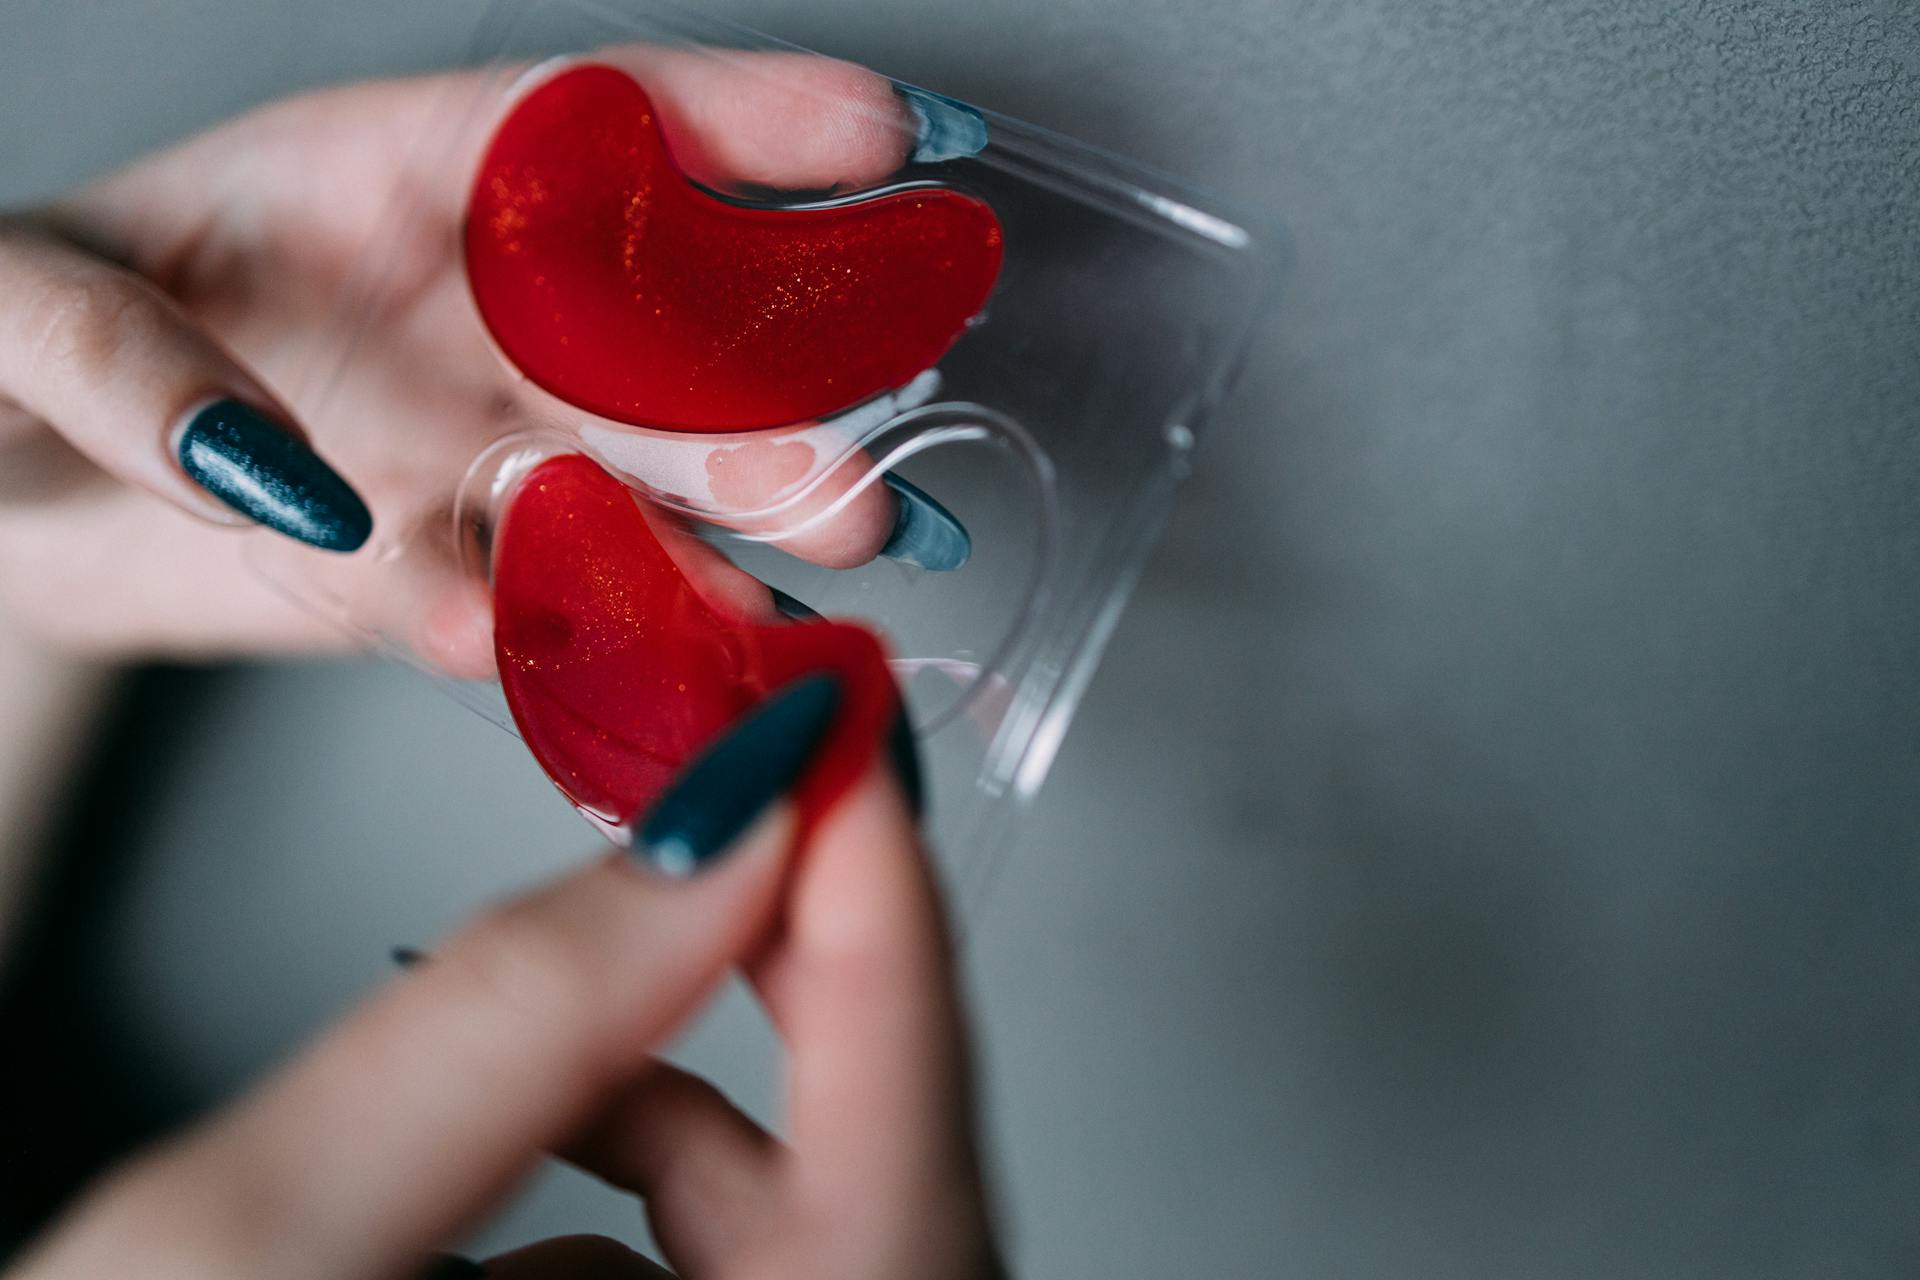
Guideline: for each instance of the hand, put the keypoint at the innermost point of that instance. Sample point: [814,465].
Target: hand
[212,274]
[532,1029]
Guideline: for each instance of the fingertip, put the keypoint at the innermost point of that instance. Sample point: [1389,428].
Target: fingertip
[840,521]
[851,119]
[782,120]
[455,634]
[852,535]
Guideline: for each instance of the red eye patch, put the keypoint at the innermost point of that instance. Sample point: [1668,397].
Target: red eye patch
[617,670]
[616,284]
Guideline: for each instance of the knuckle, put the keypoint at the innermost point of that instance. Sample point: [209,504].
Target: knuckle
[85,323]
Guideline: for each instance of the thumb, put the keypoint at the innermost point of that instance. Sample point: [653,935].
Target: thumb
[108,361]
[410,1120]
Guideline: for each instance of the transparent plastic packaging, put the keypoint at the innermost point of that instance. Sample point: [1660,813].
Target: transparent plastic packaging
[1055,428]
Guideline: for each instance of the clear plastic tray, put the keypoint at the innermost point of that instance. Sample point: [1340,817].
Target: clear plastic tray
[1055,429]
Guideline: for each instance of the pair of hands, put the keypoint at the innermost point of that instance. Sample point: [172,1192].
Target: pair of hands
[210,272]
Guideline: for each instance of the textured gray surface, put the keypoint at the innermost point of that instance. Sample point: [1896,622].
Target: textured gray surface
[1490,847]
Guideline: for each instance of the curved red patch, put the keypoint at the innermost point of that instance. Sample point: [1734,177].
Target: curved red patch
[616,284]
[617,670]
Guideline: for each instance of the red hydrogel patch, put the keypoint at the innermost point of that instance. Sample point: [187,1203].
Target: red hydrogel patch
[618,671]
[616,284]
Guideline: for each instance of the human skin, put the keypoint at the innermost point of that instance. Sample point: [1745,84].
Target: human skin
[212,270]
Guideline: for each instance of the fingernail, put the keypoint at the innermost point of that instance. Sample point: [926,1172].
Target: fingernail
[721,793]
[252,464]
[407,957]
[924,532]
[450,1266]
[788,607]
[949,129]
[904,753]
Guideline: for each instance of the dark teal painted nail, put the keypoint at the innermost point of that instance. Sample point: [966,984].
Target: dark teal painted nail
[904,752]
[449,1266]
[720,794]
[254,465]
[791,609]
[949,129]
[924,532]
[407,957]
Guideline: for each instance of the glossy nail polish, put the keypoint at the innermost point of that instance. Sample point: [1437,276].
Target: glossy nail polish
[949,129]
[720,794]
[925,533]
[254,465]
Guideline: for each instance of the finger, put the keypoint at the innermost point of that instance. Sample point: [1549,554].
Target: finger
[454,630]
[786,120]
[840,519]
[399,1128]
[863,989]
[108,361]
[574,1258]
[720,582]
[703,1167]
[812,491]
[854,513]
[92,566]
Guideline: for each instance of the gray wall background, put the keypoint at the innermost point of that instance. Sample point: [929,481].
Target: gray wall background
[1490,847]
